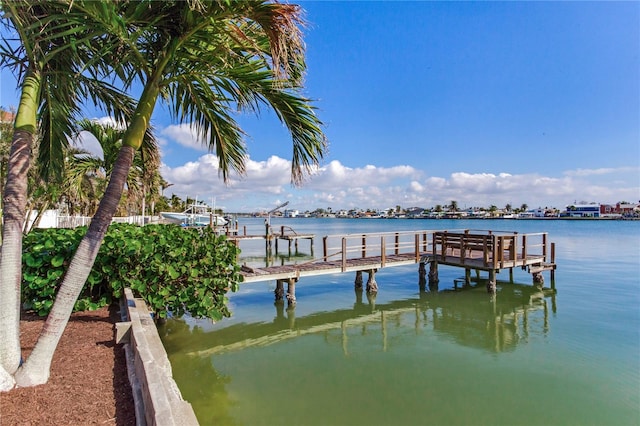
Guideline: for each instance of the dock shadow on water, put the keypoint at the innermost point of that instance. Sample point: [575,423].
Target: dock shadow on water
[405,361]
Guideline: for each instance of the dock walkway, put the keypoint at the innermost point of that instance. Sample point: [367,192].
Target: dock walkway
[489,251]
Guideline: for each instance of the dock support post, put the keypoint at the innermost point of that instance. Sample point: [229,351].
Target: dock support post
[422,276]
[467,276]
[491,285]
[279,291]
[538,278]
[291,291]
[433,273]
[358,282]
[511,275]
[372,286]
[553,262]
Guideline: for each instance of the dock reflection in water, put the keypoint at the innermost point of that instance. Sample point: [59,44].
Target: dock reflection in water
[495,324]
[219,371]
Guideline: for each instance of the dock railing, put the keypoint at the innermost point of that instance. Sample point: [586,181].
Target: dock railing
[382,244]
[495,249]
[287,231]
[499,249]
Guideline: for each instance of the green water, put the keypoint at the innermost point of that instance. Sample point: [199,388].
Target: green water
[526,356]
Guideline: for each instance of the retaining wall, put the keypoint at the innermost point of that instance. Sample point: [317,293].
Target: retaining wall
[157,398]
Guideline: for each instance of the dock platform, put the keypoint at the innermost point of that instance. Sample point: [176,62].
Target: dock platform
[488,251]
[285,233]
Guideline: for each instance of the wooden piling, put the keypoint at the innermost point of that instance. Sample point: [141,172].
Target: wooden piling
[372,286]
[279,291]
[358,282]
[553,262]
[291,291]
[491,284]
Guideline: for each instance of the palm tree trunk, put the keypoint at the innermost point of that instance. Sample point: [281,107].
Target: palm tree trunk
[36,221]
[35,370]
[15,201]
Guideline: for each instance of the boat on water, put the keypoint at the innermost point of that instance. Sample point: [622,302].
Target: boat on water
[195,215]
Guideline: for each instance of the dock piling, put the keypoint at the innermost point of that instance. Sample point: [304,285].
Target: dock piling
[358,281]
[279,291]
[372,286]
[491,284]
[291,291]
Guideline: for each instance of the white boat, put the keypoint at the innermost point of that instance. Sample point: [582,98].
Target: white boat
[195,215]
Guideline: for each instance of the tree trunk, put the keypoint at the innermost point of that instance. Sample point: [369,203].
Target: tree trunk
[15,201]
[36,222]
[35,370]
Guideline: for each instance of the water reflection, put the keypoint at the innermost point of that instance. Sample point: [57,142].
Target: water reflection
[468,316]
[272,258]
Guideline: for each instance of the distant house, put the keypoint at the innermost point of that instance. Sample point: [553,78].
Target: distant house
[291,213]
[414,212]
[627,209]
[582,210]
[539,212]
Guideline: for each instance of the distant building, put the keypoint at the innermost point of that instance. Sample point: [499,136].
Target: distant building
[628,209]
[582,210]
[415,212]
[291,213]
[620,209]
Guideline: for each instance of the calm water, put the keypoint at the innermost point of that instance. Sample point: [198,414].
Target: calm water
[521,357]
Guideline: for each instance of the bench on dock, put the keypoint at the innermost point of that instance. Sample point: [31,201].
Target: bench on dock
[490,248]
[463,245]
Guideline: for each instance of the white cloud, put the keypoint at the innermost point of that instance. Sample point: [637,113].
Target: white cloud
[338,186]
[601,171]
[185,135]
[335,174]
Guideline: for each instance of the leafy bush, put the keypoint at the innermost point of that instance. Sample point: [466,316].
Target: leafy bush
[174,270]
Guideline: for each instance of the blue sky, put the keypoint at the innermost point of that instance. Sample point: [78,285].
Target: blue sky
[427,102]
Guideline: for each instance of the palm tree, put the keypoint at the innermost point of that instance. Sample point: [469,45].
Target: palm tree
[52,58]
[176,203]
[207,60]
[453,206]
[84,166]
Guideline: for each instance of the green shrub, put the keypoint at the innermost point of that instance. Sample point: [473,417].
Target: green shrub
[174,270]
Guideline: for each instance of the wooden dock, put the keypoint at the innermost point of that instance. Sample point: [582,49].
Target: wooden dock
[285,233]
[489,251]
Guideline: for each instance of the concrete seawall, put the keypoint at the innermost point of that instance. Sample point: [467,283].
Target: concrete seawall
[158,400]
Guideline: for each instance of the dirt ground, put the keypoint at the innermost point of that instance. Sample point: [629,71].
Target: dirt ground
[88,383]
